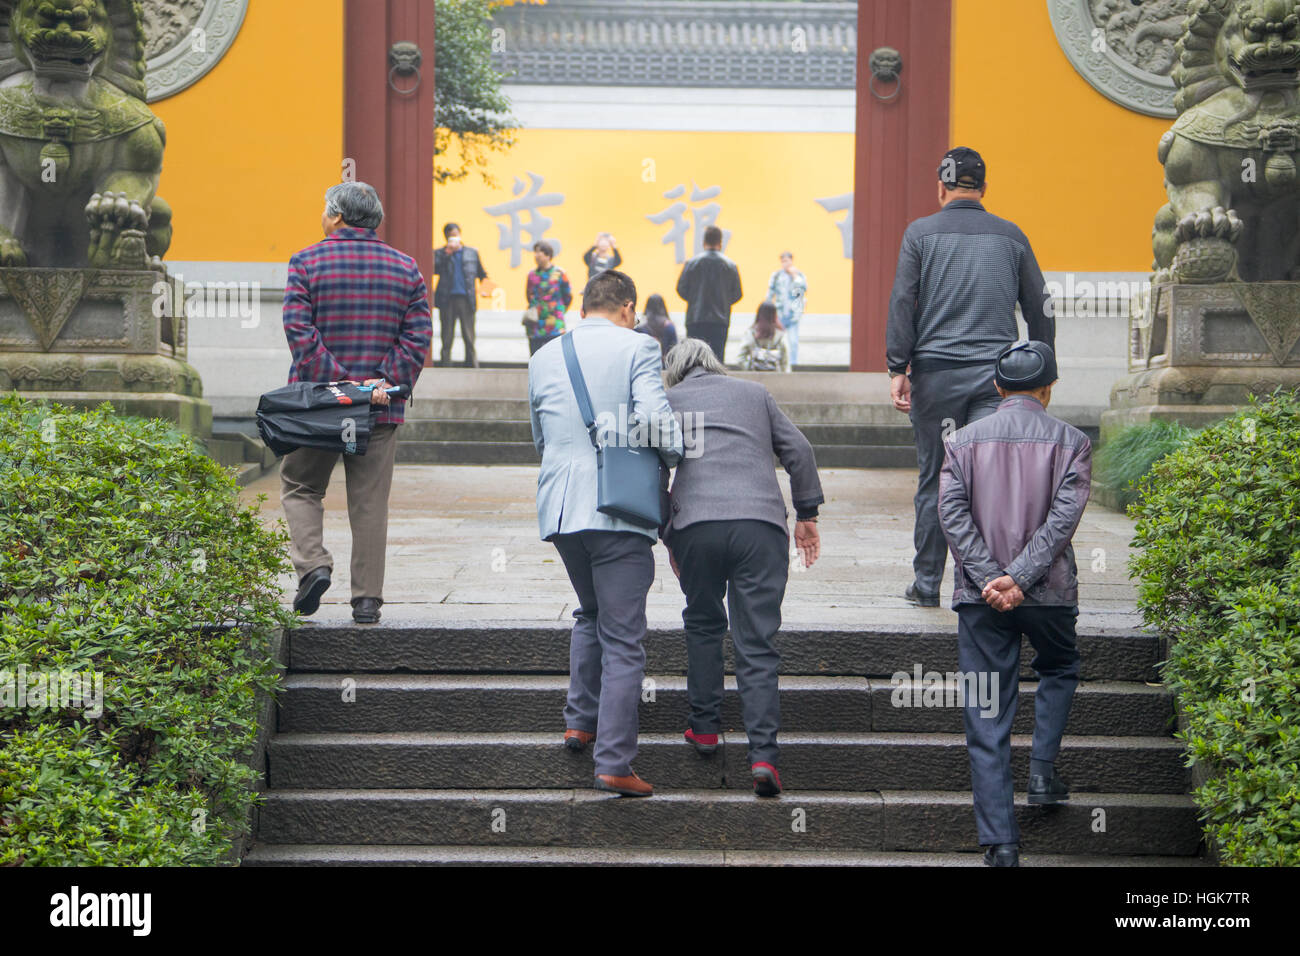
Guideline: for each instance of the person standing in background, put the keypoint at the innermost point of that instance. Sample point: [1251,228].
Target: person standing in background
[787,289]
[601,256]
[656,323]
[960,274]
[710,286]
[458,269]
[549,296]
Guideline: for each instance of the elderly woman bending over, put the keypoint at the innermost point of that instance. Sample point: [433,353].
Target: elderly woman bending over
[728,537]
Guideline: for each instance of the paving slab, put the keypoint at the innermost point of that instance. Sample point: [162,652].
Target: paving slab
[463,546]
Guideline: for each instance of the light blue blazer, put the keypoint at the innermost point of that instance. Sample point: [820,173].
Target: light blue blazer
[622,369]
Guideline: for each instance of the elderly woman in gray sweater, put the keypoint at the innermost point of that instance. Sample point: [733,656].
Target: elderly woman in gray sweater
[728,538]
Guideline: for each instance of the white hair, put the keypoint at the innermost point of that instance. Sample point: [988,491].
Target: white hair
[357,203]
[689,354]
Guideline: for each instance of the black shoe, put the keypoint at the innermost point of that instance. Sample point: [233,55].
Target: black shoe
[310,588]
[1003,854]
[913,596]
[366,610]
[1047,790]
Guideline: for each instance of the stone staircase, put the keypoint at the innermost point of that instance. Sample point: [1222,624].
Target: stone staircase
[423,745]
[480,417]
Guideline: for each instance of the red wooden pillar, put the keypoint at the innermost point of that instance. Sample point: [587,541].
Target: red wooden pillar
[387,134]
[898,147]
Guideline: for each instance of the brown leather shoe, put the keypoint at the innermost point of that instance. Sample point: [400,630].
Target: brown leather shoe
[629,786]
[577,739]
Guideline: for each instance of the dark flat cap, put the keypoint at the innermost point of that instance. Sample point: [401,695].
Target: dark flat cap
[1025,366]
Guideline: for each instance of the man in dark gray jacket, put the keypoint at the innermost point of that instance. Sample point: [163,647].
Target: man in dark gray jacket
[960,274]
[1011,493]
[727,536]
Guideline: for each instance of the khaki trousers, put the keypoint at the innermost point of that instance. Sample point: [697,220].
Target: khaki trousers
[304,476]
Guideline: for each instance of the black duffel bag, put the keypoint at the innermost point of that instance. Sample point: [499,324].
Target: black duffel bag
[332,416]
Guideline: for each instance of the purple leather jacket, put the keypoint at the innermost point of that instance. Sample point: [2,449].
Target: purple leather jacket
[1011,493]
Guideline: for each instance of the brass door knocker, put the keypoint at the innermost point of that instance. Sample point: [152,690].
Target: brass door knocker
[403,60]
[886,65]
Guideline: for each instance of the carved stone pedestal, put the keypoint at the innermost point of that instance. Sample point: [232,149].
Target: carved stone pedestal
[1198,352]
[84,336]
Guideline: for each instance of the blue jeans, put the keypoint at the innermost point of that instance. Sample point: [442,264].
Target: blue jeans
[792,339]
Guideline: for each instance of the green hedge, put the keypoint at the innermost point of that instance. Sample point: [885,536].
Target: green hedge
[1218,523]
[125,553]
[1123,461]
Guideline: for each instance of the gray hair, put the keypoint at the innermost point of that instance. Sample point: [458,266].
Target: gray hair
[690,354]
[357,203]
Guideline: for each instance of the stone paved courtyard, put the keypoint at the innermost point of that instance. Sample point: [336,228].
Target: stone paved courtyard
[463,546]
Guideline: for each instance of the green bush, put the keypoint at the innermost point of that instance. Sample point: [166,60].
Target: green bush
[125,552]
[1218,524]
[1124,460]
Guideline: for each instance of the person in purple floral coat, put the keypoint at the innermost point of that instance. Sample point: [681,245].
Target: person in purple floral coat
[549,296]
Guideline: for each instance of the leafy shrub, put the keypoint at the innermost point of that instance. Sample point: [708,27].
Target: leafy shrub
[1124,460]
[1219,529]
[124,552]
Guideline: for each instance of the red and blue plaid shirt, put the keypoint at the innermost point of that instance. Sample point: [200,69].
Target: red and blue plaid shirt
[356,308]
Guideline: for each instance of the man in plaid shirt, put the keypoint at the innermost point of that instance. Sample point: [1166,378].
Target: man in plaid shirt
[355,309]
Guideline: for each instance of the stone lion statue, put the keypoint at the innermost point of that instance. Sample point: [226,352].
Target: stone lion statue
[1230,158]
[80,152]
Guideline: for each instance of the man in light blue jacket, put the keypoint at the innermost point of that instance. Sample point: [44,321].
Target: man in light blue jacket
[609,560]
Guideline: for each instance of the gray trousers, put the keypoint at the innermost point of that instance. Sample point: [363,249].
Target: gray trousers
[942,401]
[459,308]
[988,642]
[749,562]
[611,572]
[304,477]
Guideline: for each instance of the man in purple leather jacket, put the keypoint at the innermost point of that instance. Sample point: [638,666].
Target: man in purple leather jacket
[1011,493]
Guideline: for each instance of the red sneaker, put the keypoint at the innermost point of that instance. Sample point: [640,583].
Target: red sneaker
[767,782]
[704,744]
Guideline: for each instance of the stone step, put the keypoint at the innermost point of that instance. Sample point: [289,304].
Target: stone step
[524,453]
[865,456]
[306,854]
[314,703]
[1115,824]
[860,761]
[504,430]
[1107,654]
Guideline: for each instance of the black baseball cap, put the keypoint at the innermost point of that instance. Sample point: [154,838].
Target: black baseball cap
[962,167]
[1025,366]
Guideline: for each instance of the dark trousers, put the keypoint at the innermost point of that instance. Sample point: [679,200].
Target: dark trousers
[459,308]
[942,402]
[988,642]
[611,572]
[714,333]
[535,342]
[749,562]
